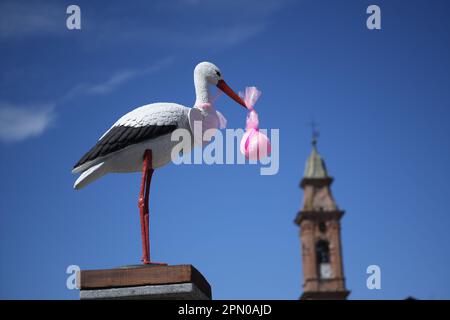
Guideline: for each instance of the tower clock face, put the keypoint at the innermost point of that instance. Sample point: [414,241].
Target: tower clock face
[325,271]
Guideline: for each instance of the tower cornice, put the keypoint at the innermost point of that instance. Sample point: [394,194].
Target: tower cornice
[318,182]
[325,295]
[318,215]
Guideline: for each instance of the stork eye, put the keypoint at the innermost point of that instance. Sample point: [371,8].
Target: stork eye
[218,73]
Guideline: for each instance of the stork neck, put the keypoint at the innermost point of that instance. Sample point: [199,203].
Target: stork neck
[201,91]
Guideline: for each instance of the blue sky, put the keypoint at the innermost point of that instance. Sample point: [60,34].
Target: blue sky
[381,99]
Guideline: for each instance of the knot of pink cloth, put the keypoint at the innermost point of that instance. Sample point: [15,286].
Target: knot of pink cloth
[205,105]
[254,144]
[208,106]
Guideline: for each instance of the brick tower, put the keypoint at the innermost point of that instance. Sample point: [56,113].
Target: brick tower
[320,233]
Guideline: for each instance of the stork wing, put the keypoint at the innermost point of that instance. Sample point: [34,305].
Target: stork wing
[142,124]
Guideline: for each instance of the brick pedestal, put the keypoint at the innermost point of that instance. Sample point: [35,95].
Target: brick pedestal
[180,282]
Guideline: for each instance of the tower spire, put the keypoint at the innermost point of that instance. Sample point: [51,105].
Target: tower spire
[315,166]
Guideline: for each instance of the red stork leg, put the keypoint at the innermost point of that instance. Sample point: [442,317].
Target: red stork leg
[146,201]
[143,206]
[147,173]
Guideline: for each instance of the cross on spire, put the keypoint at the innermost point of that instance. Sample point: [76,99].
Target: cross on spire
[314,132]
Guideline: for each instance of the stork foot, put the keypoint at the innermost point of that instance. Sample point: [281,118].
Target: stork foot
[154,263]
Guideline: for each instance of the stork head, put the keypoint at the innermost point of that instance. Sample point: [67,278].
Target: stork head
[211,73]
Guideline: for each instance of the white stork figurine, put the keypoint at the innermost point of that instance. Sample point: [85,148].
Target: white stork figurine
[140,140]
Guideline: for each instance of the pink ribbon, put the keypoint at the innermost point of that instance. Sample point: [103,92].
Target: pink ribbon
[254,144]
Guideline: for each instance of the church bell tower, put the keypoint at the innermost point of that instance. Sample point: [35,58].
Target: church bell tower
[320,233]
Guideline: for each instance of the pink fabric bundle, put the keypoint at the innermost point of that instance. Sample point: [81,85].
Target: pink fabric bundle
[254,144]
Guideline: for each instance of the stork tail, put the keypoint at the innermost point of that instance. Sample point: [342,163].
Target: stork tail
[90,175]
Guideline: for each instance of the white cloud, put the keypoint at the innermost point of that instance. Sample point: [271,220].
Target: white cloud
[113,82]
[236,23]
[19,123]
[123,76]
[182,39]
[223,37]
[19,19]
[238,20]
[214,25]
[117,79]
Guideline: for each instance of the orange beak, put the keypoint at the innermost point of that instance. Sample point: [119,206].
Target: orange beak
[222,85]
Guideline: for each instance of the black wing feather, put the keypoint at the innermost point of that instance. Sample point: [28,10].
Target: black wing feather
[120,137]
